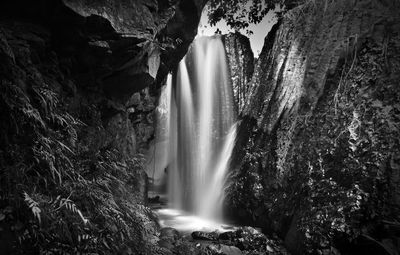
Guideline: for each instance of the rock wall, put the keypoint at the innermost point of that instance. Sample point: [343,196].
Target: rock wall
[117,49]
[241,65]
[318,141]
[79,83]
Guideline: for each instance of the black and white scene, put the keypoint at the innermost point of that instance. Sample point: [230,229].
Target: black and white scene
[200,127]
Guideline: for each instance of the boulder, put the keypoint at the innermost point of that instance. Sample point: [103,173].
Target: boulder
[248,238]
[229,236]
[207,236]
[220,249]
[169,233]
[166,243]
[230,250]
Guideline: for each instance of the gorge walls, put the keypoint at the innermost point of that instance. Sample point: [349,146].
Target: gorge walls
[317,147]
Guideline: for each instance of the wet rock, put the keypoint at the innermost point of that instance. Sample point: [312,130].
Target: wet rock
[155,199]
[248,238]
[168,238]
[220,249]
[229,236]
[248,230]
[207,236]
[165,243]
[230,250]
[169,233]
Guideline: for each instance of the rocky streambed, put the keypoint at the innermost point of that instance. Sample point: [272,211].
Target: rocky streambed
[241,240]
[185,234]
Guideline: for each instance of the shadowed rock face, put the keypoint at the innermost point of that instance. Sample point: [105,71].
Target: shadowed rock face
[121,45]
[311,89]
[131,18]
[241,66]
[111,48]
[136,58]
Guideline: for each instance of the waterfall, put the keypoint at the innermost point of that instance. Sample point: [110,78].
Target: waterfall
[201,129]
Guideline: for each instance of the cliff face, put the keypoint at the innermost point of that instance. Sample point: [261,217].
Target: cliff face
[241,66]
[320,126]
[79,81]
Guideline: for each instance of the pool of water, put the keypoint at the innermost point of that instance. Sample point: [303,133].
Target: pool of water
[188,223]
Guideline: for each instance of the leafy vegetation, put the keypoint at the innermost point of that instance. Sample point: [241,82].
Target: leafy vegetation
[239,14]
[56,196]
[350,182]
[60,192]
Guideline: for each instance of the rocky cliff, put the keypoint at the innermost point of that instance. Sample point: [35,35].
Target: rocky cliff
[79,80]
[320,129]
[241,66]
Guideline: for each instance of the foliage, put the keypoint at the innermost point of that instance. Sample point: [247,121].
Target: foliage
[331,209]
[59,195]
[239,14]
[342,154]
[246,191]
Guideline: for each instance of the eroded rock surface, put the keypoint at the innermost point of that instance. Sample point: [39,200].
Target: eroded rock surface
[241,66]
[309,141]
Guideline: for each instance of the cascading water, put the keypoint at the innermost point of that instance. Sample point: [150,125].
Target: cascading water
[201,129]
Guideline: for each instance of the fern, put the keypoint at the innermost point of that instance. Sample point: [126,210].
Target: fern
[54,162]
[60,120]
[65,147]
[17,101]
[70,205]
[33,205]
[47,98]
[34,115]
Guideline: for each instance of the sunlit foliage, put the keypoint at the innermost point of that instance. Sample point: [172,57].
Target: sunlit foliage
[239,14]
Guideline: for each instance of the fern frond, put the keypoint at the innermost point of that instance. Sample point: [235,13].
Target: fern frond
[65,147]
[33,205]
[32,113]
[70,206]
[48,99]
[59,119]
